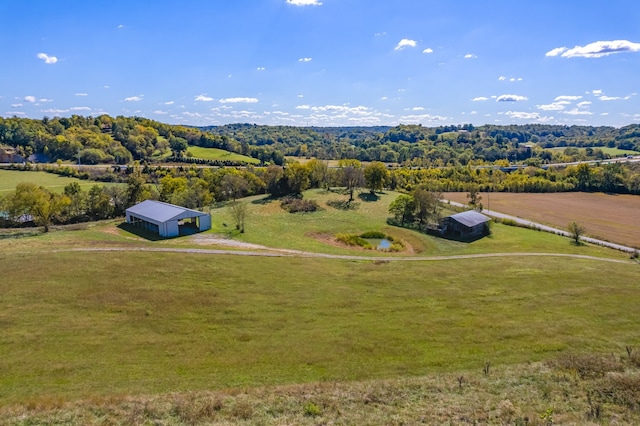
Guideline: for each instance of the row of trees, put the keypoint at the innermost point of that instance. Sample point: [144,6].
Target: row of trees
[121,140]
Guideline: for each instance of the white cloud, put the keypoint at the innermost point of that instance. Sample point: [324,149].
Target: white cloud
[427,50]
[583,104]
[55,111]
[555,106]
[417,109]
[81,94]
[511,98]
[567,98]
[609,98]
[169,103]
[502,78]
[30,99]
[577,111]
[555,52]
[158,112]
[480,99]
[303,107]
[423,118]
[16,105]
[521,115]
[260,69]
[305,59]
[596,49]
[133,98]
[45,100]
[47,59]
[596,92]
[470,56]
[238,100]
[404,43]
[304,2]
[82,108]
[203,98]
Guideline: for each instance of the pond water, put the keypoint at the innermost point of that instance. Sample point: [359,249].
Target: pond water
[379,243]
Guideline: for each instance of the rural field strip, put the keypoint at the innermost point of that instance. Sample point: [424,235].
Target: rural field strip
[546,228]
[294,253]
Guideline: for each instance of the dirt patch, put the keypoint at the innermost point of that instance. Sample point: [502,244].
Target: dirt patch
[610,217]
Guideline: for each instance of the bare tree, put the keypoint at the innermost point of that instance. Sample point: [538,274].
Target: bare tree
[352,179]
[239,212]
[576,231]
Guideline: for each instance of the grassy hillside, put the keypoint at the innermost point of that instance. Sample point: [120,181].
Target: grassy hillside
[134,336]
[220,154]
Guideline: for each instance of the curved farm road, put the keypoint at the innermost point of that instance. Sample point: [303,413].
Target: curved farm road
[271,252]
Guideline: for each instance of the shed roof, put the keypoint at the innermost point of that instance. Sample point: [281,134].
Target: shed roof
[162,212]
[470,218]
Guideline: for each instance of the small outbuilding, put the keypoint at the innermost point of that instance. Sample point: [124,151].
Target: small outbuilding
[166,219]
[469,225]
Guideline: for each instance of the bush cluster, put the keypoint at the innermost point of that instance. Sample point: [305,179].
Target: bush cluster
[297,205]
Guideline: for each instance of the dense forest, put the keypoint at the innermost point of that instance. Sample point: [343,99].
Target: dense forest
[121,140]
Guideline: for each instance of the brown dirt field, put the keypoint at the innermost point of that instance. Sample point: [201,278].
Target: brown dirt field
[610,217]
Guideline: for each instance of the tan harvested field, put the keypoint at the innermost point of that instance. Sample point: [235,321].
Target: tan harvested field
[610,217]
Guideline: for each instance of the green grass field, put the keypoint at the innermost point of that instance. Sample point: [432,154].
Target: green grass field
[220,154]
[10,178]
[614,152]
[105,327]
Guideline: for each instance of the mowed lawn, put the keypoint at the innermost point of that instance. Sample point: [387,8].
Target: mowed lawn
[78,324]
[220,154]
[10,178]
[611,217]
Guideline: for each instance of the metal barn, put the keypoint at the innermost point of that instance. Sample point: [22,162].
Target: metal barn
[166,219]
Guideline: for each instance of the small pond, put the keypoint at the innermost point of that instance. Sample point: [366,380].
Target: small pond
[379,243]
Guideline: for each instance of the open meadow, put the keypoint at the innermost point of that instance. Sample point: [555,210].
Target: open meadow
[182,336]
[610,217]
[56,183]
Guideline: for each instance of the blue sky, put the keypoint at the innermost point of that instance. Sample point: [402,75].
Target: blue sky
[324,62]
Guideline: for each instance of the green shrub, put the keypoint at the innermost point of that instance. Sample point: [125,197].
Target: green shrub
[311,409]
[353,240]
[375,234]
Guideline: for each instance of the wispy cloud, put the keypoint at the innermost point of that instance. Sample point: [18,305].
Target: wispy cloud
[470,56]
[609,98]
[404,43]
[511,98]
[305,59]
[30,99]
[427,50]
[169,103]
[555,106]
[134,98]
[47,59]
[238,100]
[596,49]
[567,98]
[82,108]
[522,115]
[480,99]
[304,2]
[511,79]
[81,94]
[203,98]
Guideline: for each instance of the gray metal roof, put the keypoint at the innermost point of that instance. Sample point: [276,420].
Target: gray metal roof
[162,212]
[470,218]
